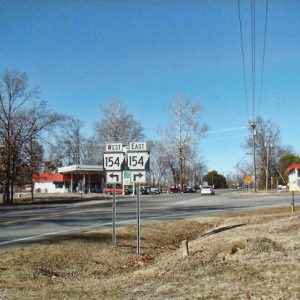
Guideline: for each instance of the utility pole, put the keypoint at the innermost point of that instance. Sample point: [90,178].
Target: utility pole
[268,145]
[253,125]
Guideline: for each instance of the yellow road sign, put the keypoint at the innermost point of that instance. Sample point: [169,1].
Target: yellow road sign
[248,179]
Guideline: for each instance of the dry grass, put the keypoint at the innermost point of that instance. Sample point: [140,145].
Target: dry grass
[249,255]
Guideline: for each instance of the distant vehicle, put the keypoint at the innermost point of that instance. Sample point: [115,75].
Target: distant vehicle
[143,190]
[153,189]
[109,189]
[281,187]
[173,190]
[189,189]
[207,190]
[27,188]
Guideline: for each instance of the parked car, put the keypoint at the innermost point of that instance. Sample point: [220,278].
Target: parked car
[173,190]
[143,190]
[109,189]
[207,190]
[189,189]
[153,189]
[281,187]
[27,188]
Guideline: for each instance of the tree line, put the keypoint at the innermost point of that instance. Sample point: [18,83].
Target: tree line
[26,121]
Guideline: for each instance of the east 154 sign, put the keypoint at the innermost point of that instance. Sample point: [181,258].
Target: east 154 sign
[138,160]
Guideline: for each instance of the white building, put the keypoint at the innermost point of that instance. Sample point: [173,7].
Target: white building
[293,172]
[51,183]
[85,178]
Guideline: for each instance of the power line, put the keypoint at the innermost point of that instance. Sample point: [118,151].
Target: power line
[263,58]
[253,29]
[243,58]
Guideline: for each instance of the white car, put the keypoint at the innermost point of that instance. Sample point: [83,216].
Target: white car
[207,190]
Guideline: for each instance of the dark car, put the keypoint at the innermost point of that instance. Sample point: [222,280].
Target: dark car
[173,190]
[189,189]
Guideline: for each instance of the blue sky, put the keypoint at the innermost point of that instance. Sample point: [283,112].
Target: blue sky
[83,53]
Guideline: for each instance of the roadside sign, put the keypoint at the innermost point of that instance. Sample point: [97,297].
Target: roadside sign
[114,161]
[113,177]
[138,160]
[114,147]
[138,176]
[137,146]
[248,179]
[126,178]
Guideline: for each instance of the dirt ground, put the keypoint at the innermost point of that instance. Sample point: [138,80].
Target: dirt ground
[248,255]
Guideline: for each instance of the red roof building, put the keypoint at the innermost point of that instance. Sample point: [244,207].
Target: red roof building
[50,177]
[293,172]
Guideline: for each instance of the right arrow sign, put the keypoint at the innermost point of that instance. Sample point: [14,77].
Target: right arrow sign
[138,176]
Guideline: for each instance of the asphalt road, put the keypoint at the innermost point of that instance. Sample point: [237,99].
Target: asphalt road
[23,225]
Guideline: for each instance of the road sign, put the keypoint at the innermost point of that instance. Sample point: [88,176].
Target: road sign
[138,160]
[114,161]
[138,176]
[248,179]
[126,178]
[114,147]
[113,177]
[137,146]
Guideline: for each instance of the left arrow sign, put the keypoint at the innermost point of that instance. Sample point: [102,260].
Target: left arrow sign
[113,177]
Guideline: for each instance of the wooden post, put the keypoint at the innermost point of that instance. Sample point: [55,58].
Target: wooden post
[293,203]
[185,248]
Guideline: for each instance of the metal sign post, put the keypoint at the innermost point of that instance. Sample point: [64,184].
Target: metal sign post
[138,215]
[113,164]
[138,161]
[114,206]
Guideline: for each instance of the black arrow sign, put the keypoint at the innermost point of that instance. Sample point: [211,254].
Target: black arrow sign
[112,175]
[135,176]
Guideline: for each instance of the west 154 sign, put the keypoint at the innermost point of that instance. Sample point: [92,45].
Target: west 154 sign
[138,160]
[114,161]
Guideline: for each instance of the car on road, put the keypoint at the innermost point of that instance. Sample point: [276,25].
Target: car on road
[207,190]
[173,190]
[143,190]
[153,189]
[189,189]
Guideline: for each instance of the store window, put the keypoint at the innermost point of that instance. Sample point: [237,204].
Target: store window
[58,185]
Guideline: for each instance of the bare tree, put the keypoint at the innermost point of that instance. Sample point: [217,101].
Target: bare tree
[68,146]
[268,150]
[117,125]
[184,131]
[20,125]
[91,152]
[159,164]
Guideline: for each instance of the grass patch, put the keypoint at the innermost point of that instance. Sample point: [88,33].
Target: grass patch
[258,260]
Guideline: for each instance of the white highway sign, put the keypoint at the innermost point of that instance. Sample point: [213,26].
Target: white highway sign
[114,177]
[114,147]
[114,161]
[138,176]
[138,160]
[137,146]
